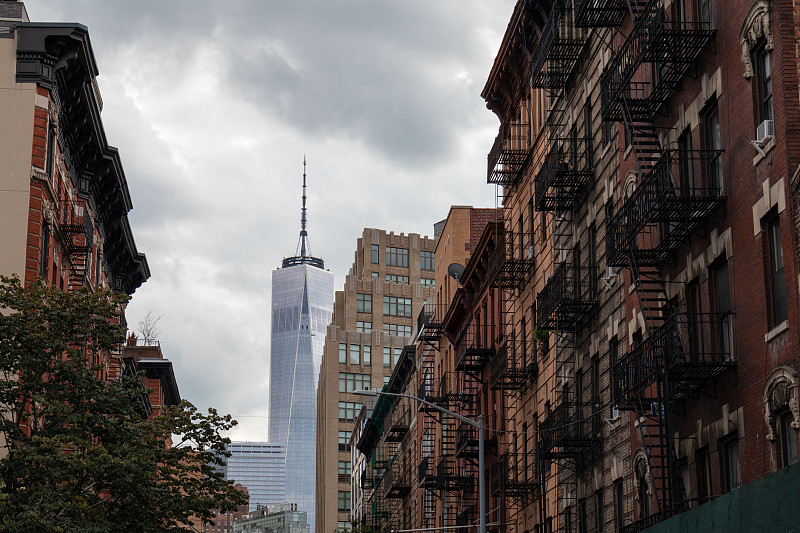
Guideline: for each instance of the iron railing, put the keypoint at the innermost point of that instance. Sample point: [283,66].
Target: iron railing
[566,171]
[567,297]
[509,154]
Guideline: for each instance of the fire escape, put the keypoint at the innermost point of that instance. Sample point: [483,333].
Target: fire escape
[77,234]
[680,352]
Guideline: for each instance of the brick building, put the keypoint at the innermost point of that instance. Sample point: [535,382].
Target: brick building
[646,286]
[373,318]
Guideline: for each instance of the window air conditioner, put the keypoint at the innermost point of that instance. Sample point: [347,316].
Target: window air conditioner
[765,132]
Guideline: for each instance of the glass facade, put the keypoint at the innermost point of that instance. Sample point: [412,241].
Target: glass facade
[259,466]
[302,305]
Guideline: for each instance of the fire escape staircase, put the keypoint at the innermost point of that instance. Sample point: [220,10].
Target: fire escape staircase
[559,49]
[77,234]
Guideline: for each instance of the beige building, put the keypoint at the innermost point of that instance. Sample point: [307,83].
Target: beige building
[374,317]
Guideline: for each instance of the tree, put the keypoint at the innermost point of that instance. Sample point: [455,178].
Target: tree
[81,455]
[149,328]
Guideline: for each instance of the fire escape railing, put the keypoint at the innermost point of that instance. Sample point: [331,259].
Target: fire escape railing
[472,350]
[396,481]
[566,171]
[672,45]
[429,321]
[509,154]
[508,371]
[692,348]
[514,475]
[567,297]
[662,214]
[558,50]
[600,13]
[571,430]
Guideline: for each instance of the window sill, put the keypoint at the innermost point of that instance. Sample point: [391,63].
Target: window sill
[777,330]
[766,149]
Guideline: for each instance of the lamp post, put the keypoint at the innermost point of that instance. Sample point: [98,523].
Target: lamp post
[477,423]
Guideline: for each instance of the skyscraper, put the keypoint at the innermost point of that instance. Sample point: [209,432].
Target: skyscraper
[302,305]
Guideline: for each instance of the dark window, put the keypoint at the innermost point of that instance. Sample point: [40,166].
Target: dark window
[703,465]
[722,302]
[693,310]
[712,141]
[787,437]
[44,248]
[426,261]
[776,281]
[397,257]
[642,489]
[760,58]
[730,463]
[395,306]
[685,162]
[376,252]
[583,522]
[344,441]
[600,522]
[363,303]
[704,11]
[568,520]
[51,153]
[619,504]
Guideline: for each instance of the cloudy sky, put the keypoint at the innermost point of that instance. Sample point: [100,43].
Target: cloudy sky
[213,106]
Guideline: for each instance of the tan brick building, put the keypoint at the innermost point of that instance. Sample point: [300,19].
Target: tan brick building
[373,318]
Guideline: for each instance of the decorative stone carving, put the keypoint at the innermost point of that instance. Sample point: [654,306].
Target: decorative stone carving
[757,24]
[780,390]
[52,111]
[642,465]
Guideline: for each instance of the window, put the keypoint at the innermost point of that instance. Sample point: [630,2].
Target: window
[375,254]
[364,303]
[386,379]
[730,464]
[344,501]
[394,278]
[703,465]
[776,282]
[355,354]
[349,382]
[760,58]
[344,471]
[397,352]
[619,502]
[374,274]
[397,329]
[568,520]
[722,304]
[367,352]
[397,257]
[685,163]
[387,356]
[344,441]
[43,259]
[583,521]
[600,523]
[426,261]
[428,282]
[787,438]
[712,141]
[344,526]
[342,353]
[642,488]
[348,411]
[363,327]
[704,12]
[395,306]
[51,153]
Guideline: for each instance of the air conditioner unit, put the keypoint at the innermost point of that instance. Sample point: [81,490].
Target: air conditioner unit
[610,272]
[530,252]
[765,132]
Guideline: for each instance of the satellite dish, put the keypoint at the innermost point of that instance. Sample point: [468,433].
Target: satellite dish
[455,270]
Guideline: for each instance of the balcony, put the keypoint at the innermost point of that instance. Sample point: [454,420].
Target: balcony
[571,430]
[426,392]
[458,391]
[662,213]
[565,173]
[673,46]
[76,227]
[506,372]
[693,349]
[472,351]
[398,423]
[513,476]
[566,298]
[600,13]
[467,440]
[429,322]
[426,473]
[509,154]
[396,482]
[558,50]
[452,478]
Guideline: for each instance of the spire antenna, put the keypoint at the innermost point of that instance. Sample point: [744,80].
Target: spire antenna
[303,250]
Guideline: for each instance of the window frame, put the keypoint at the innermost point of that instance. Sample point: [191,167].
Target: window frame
[777,304]
[427,260]
[712,142]
[397,257]
[363,303]
[375,254]
[761,59]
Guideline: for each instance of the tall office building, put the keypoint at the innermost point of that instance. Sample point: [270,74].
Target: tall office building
[259,466]
[374,317]
[302,305]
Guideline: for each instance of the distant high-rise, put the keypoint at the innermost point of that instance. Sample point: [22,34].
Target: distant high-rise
[302,305]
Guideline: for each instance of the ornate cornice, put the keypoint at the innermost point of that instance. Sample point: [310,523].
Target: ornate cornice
[757,25]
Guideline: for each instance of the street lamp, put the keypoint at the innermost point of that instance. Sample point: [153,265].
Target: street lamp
[477,423]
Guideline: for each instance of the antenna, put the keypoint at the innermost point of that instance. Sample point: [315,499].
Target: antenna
[303,232]
[303,249]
